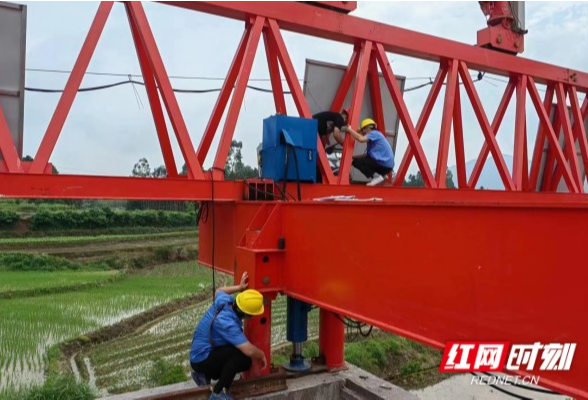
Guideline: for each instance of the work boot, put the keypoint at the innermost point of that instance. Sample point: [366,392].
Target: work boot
[200,379]
[377,179]
[224,395]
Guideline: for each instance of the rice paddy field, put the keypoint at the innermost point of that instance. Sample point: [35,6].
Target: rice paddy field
[123,364]
[30,325]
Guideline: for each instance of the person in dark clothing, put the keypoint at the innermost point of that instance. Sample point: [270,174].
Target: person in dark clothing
[219,348]
[330,122]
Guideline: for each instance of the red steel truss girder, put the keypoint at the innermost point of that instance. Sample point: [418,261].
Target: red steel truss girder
[446,122]
[430,296]
[301,18]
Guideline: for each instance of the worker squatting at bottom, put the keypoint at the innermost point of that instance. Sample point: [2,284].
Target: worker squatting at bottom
[220,349]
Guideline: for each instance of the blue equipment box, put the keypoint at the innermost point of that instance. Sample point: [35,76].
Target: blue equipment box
[295,138]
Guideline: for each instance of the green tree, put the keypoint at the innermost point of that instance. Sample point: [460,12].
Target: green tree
[31,159]
[235,168]
[142,168]
[417,180]
[159,172]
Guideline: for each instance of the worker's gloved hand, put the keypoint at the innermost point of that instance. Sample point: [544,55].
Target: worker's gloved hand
[244,281]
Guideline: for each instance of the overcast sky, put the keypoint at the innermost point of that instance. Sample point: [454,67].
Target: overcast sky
[108,131]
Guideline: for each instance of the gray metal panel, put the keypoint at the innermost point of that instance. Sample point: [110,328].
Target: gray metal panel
[13,27]
[561,187]
[321,81]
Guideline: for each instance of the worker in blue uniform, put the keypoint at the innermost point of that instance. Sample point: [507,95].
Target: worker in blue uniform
[219,348]
[378,161]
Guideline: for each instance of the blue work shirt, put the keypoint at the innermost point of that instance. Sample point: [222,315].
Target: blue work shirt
[379,149]
[227,328]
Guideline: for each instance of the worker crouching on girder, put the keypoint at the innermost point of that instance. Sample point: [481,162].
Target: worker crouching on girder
[220,349]
[378,161]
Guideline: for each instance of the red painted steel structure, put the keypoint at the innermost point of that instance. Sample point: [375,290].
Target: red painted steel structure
[441,264]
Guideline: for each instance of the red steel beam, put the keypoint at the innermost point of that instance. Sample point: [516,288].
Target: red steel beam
[303,18]
[519,134]
[154,101]
[345,84]
[71,89]
[355,110]
[274,70]
[440,306]
[462,179]
[550,164]
[169,98]
[376,94]
[448,111]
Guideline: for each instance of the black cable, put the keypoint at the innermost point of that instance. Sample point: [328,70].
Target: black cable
[286,172]
[200,91]
[131,81]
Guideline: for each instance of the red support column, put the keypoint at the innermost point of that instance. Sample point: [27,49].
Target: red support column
[331,339]
[519,134]
[448,111]
[570,143]
[376,94]
[462,179]
[71,89]
[274,71]
[258,331]
[356,102]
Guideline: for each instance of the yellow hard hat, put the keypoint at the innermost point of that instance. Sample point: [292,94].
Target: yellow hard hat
[367,122]
[250,302]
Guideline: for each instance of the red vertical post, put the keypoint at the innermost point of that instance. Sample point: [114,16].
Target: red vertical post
[298,96]
[448,110]
[331,339]
[525,162]
[462,179]
[579,115]
[421,123]
[376,94]
[223,99]
[356,102]
[71,89]
[519,134]
[274,71]
[169,99]
[154,101]
[258,331]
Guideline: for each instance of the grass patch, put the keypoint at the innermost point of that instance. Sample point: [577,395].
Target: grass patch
[165,373]
[62,387]
[35,262]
